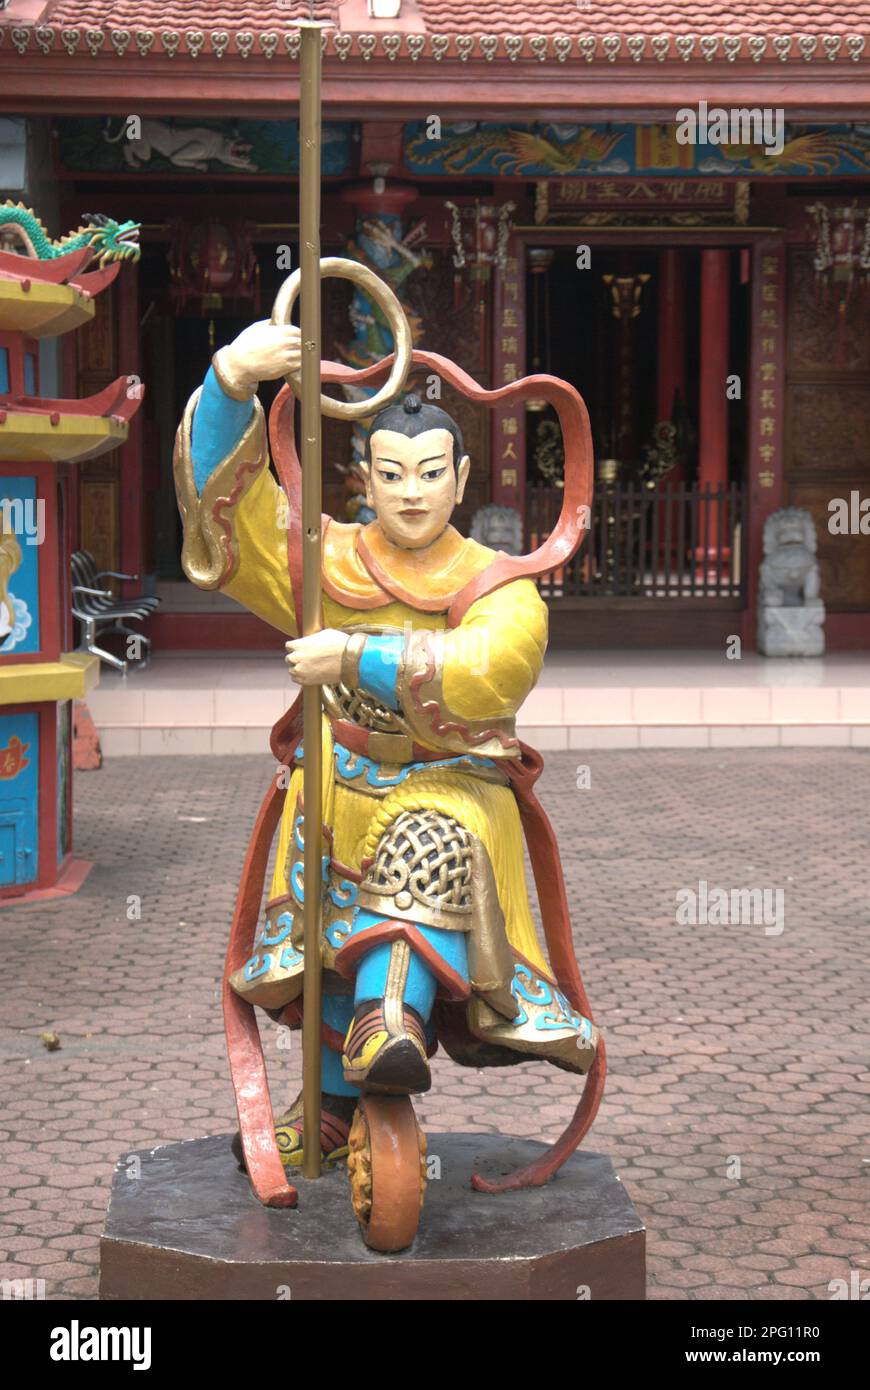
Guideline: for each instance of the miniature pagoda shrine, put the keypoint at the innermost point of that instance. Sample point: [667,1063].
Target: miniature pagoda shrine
[45,291]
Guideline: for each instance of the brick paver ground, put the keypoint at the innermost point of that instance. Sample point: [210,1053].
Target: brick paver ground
[736,1110]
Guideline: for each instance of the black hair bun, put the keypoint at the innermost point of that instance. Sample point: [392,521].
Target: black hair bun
[413,417]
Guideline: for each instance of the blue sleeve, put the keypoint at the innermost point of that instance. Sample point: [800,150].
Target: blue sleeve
[379,668]
[218,424]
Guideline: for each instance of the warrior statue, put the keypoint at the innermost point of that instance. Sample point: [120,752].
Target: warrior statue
[427,933]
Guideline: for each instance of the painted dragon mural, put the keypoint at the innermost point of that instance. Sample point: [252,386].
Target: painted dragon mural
[466,147]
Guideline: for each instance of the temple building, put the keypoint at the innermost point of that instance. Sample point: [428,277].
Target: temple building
[666,204]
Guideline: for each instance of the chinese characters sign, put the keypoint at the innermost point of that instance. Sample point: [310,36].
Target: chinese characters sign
[508,438]
[767,372]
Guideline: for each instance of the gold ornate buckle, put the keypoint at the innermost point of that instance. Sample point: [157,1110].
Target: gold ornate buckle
[390,748]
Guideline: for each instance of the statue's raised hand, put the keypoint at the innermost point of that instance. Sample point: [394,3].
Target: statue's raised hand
[263,352]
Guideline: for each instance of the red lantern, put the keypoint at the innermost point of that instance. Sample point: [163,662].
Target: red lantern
[212,263]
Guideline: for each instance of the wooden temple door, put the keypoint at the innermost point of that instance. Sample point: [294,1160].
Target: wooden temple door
[827,444]
[109,511]
[99,509]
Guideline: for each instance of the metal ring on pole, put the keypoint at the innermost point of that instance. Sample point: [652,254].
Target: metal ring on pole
[386,300]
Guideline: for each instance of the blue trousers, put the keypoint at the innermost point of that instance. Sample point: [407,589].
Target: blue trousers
[371,982]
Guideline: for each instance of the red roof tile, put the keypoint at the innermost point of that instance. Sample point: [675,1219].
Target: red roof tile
[646,17]
[480,17]
[233,15]
[473,31]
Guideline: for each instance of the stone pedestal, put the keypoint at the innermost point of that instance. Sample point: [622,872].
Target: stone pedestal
[792,631]
[189,1227]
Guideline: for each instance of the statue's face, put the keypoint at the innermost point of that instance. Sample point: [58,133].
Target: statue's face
[413,486]
[789,532]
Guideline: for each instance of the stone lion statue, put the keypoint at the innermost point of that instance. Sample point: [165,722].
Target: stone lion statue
[501,528]
[791,611]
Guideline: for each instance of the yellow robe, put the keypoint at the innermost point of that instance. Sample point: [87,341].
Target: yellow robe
[459,691]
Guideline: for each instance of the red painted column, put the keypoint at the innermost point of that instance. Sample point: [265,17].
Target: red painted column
[713,410]
[671,330]
[713,402]
[132,481]
[670,377]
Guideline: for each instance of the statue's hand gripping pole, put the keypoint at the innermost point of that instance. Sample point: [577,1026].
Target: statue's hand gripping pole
[307,386]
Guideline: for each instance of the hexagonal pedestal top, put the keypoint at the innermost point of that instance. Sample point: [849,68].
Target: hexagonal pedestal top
[189,1227]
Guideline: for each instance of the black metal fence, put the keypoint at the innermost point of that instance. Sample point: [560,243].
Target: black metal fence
[669,542]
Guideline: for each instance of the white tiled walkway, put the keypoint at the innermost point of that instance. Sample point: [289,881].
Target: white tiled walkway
[227,702]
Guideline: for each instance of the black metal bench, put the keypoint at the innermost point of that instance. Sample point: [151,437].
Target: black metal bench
[100,612]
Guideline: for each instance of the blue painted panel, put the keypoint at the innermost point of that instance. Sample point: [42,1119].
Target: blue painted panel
[232,145]
[19,797]
[4,370]
[7,854]
[568,149]
[20,535]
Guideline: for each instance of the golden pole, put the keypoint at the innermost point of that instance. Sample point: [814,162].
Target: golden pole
[309,223]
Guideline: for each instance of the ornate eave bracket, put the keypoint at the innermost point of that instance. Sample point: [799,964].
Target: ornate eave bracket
[559,49]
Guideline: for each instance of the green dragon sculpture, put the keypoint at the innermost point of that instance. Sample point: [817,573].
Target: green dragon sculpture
[109,240]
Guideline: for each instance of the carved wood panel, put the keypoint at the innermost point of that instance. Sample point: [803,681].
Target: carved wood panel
[829,427]
[95,341]
[99,478]
[844,560]
[818,337]
[99,521]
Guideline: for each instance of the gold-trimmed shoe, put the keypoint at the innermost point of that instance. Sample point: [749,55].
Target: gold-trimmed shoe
[334,1131]
[385,1049]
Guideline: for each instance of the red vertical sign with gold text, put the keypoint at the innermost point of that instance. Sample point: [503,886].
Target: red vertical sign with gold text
[766,402]
[509,359]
